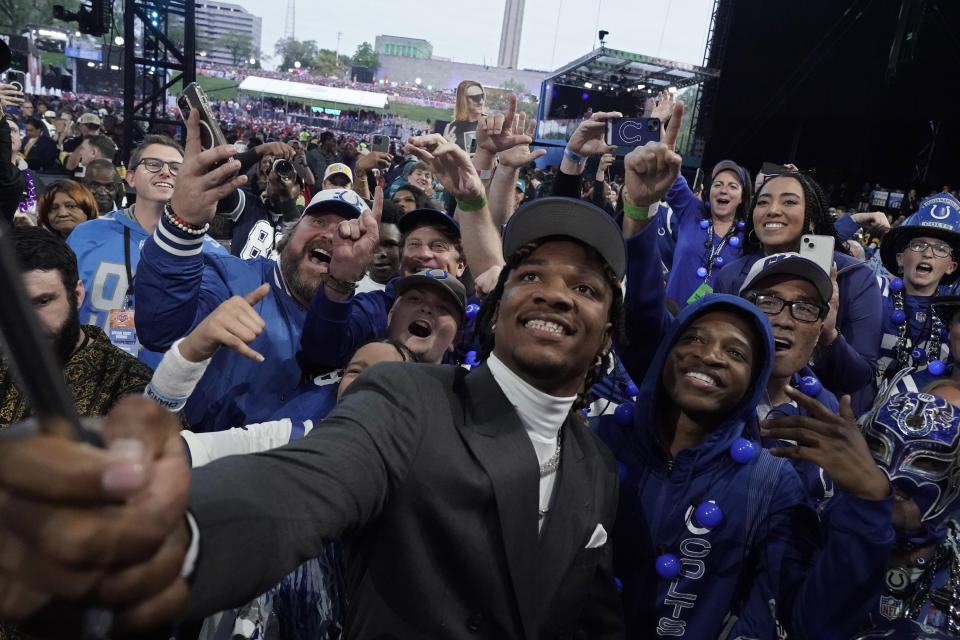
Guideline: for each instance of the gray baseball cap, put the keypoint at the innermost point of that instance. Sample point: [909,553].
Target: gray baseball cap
[438,278]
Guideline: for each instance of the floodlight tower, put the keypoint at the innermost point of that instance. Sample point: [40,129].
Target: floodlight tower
[289,32]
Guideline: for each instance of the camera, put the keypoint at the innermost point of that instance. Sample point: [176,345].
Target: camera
[284,169]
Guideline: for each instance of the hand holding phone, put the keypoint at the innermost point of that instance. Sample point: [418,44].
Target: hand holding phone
[193,98]
[632,132]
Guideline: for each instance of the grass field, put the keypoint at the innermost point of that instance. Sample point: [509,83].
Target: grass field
[225,89]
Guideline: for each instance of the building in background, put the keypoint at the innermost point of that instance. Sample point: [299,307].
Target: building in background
[215,19]
[403,47]
[510,34]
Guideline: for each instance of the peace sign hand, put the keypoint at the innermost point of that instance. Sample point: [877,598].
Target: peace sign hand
[832,442]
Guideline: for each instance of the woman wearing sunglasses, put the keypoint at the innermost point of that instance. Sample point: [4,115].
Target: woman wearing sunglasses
[463,129]
[786,207]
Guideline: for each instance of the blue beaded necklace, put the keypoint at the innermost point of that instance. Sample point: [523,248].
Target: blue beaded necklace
[712,255]
[916,356]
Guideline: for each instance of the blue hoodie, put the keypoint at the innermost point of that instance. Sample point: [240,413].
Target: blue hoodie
[767,554]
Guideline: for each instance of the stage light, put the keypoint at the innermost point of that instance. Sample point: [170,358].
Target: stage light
[641,87]
[154,14]
[599,88]
[78,34]
[672,89]
[588,85]
[296,64]
[90,64]
[585,96]
[114,67]
[118,41]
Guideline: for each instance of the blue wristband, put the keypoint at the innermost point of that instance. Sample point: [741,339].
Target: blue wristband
[571,155]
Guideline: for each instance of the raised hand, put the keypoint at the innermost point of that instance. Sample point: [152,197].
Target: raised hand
[234,323]
[373,160]
[663,108]
[355,241]
[486,282]
[589,139]
[521,155]
[202,180]
[10,96]
[653,168]
[499,132]
[450,165]
[104,526]
[832,442]
[276,149]
[874,221]
[829,331]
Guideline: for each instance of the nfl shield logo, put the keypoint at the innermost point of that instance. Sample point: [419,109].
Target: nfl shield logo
[890,607]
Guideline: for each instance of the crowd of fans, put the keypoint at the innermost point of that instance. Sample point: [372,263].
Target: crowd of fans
[596,406]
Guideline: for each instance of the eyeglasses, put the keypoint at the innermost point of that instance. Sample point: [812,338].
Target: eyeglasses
[940,250]
[153,165]
[476,97]
[437,246]
[800,310]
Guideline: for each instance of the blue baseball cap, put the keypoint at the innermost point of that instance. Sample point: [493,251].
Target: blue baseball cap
[938,217]
[521,186]
[432,217]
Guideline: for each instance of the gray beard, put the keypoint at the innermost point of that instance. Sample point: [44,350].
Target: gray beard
[289,269]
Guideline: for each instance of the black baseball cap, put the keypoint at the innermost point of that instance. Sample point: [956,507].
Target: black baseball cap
[576,219]
[438,278]
[422,217]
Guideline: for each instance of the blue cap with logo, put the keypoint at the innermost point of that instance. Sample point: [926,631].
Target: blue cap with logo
[438,278]
[343,202]
[938,217]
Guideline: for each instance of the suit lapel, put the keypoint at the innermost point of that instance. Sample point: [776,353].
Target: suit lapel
[573,514]
[495,435]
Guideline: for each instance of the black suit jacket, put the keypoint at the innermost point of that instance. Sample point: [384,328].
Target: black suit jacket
[43,154]
[429,476]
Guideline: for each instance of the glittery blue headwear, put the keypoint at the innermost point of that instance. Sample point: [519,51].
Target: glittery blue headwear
[915,440]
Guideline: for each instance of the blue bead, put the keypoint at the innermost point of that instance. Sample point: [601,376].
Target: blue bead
[810,385]
[624,414]
[898,316]
[471,358]
[702,272]
[740,225]
[668,566]
[896,284]
[937,367]
[621,471]
[742,450]
[472,310]
[585,412]
[918,354]
[632,389]
[708,515]
[718,261]
[735,241]
[704,224]
[619,583]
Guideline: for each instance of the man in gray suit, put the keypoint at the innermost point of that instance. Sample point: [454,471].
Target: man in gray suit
[474,505]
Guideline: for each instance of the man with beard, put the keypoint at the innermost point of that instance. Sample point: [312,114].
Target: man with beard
[178,285]
[97,373]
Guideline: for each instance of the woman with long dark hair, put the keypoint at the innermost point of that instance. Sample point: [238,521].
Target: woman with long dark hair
[785,208]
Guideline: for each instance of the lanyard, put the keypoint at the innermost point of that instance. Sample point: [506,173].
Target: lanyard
[126,260]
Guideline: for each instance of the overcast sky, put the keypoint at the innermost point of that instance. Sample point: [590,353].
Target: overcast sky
[554,31]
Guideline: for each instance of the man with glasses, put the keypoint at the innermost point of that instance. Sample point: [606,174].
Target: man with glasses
[922,252]
[108,248]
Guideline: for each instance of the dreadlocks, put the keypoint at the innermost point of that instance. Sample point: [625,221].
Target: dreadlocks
[484,333]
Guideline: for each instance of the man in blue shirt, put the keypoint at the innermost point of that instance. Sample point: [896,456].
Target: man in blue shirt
[108,248]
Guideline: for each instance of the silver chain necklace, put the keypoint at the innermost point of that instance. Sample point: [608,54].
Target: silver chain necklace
[548,467]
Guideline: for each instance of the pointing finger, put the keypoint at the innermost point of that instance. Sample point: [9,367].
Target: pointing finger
[673,130]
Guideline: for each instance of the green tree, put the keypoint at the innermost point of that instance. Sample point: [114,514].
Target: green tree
[239,45]
[365,56]
[326,63]
[290,51]
[16,14]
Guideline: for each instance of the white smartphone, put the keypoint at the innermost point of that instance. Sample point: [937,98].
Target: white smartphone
[818,248]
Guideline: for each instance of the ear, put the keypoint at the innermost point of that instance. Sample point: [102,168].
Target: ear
[951,268]
[80,292]
[130,177]
[461,267]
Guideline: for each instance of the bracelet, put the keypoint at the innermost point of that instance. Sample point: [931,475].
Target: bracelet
[338,285]
[182,224]
[634,212]
[485,174]
[472,205]
[576,157]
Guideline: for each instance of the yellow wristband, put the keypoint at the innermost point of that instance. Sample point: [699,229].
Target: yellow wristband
[634,212]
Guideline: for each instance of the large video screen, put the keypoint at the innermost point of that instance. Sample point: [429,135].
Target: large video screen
[564,106]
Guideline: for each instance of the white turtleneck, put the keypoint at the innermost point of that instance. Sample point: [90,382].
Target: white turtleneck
[541,414]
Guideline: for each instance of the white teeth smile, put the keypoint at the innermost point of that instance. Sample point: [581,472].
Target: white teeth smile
[701,377]
[774,225]
[543,325]
[163,184]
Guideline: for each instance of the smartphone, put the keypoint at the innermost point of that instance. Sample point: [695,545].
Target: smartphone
[633,132]
[773,169]
[818,248]
[193,97]
[380,143]
[18,78]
